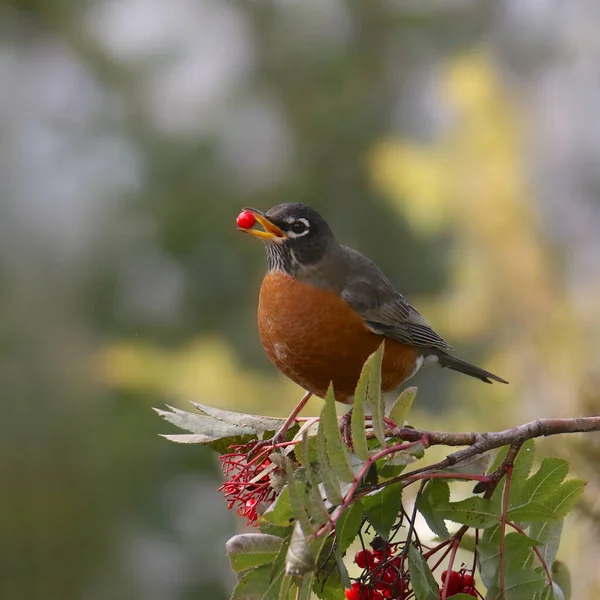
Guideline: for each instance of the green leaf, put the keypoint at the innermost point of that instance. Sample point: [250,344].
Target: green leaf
[421,577]
[341,567]
[256,422]
[278,564]
[328,578]
[375,395]
[382,508]
[309,452]
[402,405]
[549,533]
[522,584]
[522,466]
[548,477]
[562,577]
[534,511]
[435,494]
[297,499]
[348,525]
[336,450]
[314,502]
[565,497]
[328,477]
[287,583]
[205,430]
[552,592]
[252,550]
[306,587]
[257,584]
[203,424]
[517,550]
[280,512]
[474,512]
[357,425]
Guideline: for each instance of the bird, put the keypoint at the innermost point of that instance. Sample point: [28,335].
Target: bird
[324,308]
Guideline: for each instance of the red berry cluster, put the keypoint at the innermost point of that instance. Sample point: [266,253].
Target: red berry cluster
[384,575]
[459,582]
[248,484]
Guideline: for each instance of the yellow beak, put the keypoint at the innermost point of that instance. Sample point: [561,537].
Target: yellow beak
[271,232]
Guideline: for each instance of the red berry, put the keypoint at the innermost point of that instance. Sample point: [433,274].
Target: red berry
[455,583]
[246,220]
[353,592]
[364,559]
[467,580]
[359,592]
[469,591]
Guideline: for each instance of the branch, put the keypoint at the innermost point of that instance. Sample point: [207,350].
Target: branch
[478,443]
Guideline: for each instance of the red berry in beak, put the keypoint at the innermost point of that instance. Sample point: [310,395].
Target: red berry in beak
[246,220]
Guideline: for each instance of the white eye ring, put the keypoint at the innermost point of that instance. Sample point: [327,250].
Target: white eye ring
[291,233]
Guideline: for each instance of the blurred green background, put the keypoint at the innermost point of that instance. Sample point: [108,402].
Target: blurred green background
[455,142]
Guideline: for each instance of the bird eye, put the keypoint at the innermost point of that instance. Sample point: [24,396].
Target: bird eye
[299,227]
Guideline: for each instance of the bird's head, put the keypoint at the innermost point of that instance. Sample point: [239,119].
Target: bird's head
[295,235]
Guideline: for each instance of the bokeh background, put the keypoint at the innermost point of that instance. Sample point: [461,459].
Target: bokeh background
[455,142]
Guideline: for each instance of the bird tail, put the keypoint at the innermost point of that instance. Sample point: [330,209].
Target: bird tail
[456,364]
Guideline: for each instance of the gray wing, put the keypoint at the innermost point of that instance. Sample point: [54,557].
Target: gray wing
[385,311]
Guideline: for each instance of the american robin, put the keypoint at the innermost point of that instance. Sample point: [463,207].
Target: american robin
[324,308]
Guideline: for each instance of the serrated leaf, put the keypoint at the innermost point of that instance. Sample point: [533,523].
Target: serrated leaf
[474,512]
[435,494]
[382,508]
[202,424]
[336,450]
[375,395]
[562,501]
[549,533]
[328,477]
[256,584]
[422,580]
[299,559]
[522,466]
[522,584]
[256,422]
[341,567]
[297,499]
[348,525]
[314,502]
[534,511]
[548,477]
[562,577]
[280,512]
[517,550]
[250,550]
[309,452]
[357,424]
[402,405]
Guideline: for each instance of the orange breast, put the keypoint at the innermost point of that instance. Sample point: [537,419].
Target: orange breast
[314,338]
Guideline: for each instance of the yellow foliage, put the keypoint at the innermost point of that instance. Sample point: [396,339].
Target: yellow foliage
[471,184]
[205,370]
